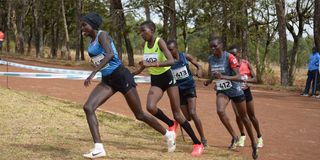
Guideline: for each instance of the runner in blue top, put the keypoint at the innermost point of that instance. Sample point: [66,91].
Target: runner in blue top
[224,67]
[115,77]
[187,90]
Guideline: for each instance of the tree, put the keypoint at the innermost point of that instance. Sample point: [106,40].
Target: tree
[298,17]
[18,15]
[38,31]
[316,28]
[280,11]
[79,39]
[67,40]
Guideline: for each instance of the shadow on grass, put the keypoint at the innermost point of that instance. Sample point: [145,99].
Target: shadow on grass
[54,150]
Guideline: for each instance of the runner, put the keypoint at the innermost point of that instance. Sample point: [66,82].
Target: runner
[157,59]
[247,74]
[225,67]
[187,90]
[115,77]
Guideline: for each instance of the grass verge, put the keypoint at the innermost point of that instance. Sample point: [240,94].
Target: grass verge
[40,127]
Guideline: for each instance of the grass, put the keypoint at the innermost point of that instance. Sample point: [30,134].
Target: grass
[40,127]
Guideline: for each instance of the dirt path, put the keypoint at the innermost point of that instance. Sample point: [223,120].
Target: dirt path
[289,123]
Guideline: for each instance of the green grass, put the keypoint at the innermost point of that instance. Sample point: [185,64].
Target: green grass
[40,127]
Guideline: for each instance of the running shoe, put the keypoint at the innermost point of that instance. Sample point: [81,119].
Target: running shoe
[94,153]
[255,152]
[204,142]
[234,142]
[260,142]
[304,95]
[241,141]
[171,141]
[197,150]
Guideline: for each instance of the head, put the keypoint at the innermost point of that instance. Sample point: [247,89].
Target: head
[90,22]
[147,29]
[235,50]
[173,48]
[216,45]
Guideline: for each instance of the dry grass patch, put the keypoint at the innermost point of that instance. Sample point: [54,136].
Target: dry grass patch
[39,127]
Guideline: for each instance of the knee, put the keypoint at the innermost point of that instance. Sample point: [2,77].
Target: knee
[88,109]
[193,115]
[221,112]
[177,116]
[152,109]
[140,116]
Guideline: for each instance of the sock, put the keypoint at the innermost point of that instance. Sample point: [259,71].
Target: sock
[160,115]
[186,126]
[242,134]
[98,146]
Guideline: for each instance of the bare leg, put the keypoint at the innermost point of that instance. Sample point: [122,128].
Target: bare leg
[134,103]
[193,114]
[254,120]
[97,97]
[222,102]
[239,121]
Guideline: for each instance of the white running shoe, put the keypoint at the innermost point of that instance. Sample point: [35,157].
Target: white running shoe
[171,141]
[241,141]
[94,153]
[260,142]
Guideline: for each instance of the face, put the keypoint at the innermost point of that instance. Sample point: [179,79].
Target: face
[215,47]
[146,33]
[85,28]
[173,49]
[235,52]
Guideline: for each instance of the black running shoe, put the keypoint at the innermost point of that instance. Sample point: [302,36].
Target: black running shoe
[233,144]
[255,152]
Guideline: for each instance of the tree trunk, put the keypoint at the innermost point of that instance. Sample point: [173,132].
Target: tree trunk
[67,41]
[257,52]
[173,20]
[316,28]
[17,19]
[116,23]
[280,11]
[146,5]
[245,31]
[38,31]
[166,15]
[8,26]
[54,47]
[30,39]
[78,30]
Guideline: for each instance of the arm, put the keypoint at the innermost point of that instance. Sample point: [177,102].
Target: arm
[104,40]
[211,77]
[142,67]
[196,64]
[253,78]
[165,50]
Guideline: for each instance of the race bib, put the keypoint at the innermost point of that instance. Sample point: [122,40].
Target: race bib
[150,57]
[96,60]
[223,85]
[244,85]
[180,73]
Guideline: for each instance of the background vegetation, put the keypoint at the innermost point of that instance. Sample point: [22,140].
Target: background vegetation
[50,29]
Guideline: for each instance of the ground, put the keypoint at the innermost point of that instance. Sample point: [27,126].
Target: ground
[289,123]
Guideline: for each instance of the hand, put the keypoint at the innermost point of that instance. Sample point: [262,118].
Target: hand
[217,75]
[87,82]
[199,73]
[207,82]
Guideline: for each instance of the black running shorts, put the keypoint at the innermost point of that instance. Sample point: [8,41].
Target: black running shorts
[120,80]
[164,80]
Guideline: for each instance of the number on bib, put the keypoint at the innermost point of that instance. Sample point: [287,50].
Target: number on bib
[180,73]
[223,85]
[150,58]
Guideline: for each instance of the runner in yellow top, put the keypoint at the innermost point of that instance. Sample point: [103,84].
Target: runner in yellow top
[158,59]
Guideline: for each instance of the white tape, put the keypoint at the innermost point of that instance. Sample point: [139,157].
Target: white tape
[58,73]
